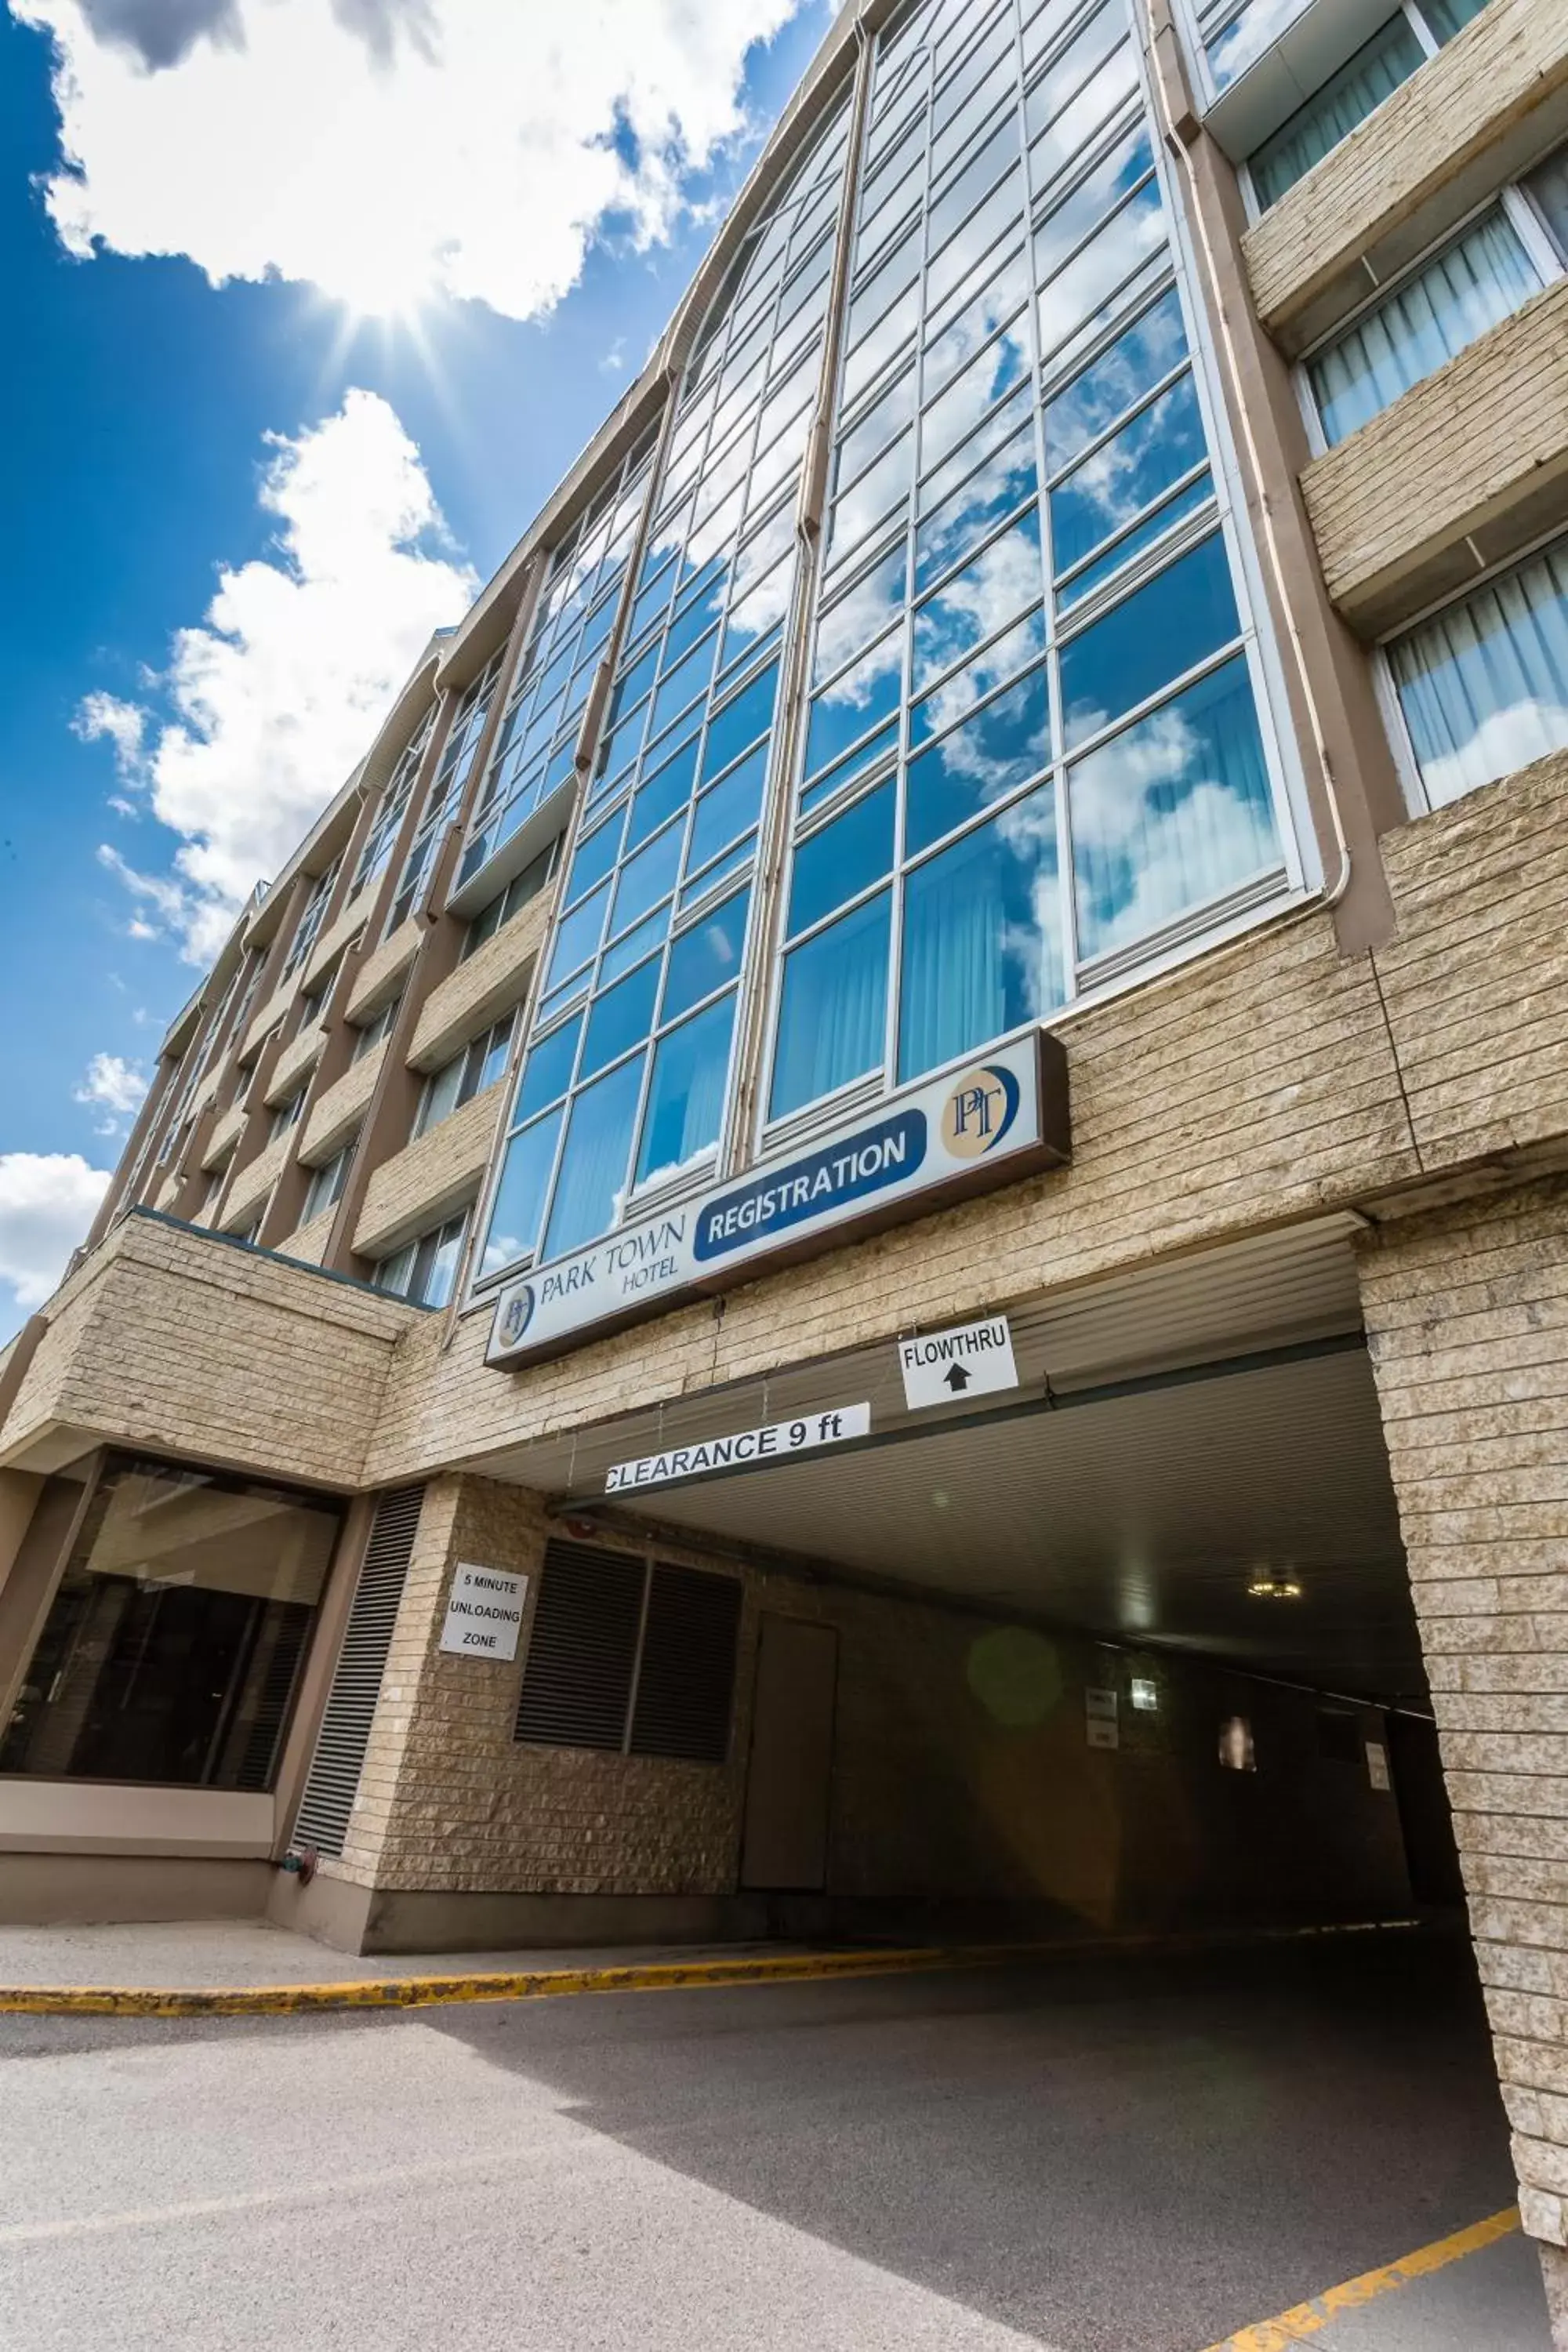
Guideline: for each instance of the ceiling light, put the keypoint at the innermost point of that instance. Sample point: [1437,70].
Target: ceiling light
[1264,1587]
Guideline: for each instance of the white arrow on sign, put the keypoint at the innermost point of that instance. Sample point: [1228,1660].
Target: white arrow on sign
[971,1361]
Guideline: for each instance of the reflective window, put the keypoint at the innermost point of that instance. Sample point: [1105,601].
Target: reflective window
[1484,684]
[981,951]
[842,858]
[833,1008]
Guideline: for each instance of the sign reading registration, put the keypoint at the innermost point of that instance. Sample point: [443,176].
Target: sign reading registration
[744,1449]
[998,1118]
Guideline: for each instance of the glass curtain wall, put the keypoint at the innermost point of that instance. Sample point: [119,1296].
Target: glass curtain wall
[625,1082]
[452,771]
[376,855]
[1032,747]
[536,743]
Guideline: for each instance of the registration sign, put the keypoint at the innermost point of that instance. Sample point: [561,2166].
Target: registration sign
[984,1125]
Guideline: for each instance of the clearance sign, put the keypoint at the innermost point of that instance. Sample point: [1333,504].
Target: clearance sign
[988,1124]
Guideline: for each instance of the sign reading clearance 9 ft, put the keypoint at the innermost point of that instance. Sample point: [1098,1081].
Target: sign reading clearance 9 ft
[993,1121]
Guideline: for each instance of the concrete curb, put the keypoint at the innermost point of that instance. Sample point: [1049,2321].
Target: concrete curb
[652,1976]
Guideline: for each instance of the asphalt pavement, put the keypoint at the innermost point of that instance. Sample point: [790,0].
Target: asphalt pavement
[1111,2156]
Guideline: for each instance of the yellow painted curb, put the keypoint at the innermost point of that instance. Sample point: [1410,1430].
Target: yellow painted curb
[643,1976]
[1307,2319]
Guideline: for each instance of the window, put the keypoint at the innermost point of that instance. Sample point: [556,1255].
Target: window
[326,1186]
[1431,315]
[423,1270]
[393,807]
[375,1029]
[172,1646]
[1483,686]
[311,916]
[629,1656]
[479,1065]
[518,892]
[1411,33]
[287,1114]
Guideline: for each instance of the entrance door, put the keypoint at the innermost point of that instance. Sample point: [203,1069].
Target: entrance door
[783,1845]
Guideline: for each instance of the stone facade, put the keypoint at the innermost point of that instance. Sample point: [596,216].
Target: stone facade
[431,1176]
[332,1117]
[484,986]
[383,969]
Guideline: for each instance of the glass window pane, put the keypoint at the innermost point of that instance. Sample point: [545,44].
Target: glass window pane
[1484,685]
[633,945]
[1448,17]
[1069,306]
[646,878]
[577,937]
[882,344]
[1331,113]
[973,394]
[705,957]
[1121,552]
[959,694]
[845,858]
[548,1071]
[833,1008]
[731,863]
[994,751]
[519,1195]
[980,169]
[1183,613]
[882,420]
[1136,360]
[834,779]
[757,615]
[982,949]
[665,790]
[590,1191]
[853,620]
[861,698]
[1060,141]
[1001,295]
[1481,278]
[1000,216]
[1001,483]
[872,498]
[686,1093]
[1000,426]
[731,808]
[1126,473]
[593,859]
[732,730]
[979,599]
[682,684]
[1548,186]
[1065,228]
[621,1018]
[171,1645]
[1171,813]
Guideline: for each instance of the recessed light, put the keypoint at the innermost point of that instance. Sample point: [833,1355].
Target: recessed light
[1264,1587]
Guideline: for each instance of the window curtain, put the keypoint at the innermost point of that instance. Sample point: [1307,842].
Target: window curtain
[1346,99]
[833,1008]
[686,1097]
[1484,687]
[1446,17]
[592,1184]
[1171,814]
[1478,280]
[980,948]
[1548,186]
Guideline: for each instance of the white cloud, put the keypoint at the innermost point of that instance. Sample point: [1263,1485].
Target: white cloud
[115,1088]
[47,1200]
[383,148]
[279,691]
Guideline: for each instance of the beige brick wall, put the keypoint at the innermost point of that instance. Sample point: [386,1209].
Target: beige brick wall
[1482,441]
[427,1178]
[172,1339]
[299,1057]
[254,1181]
[1507,63]
[382,971]
[1476,980]
[333,940]
[309,1243]
[481,989]
[269,1016]
[226,1132]
[1467,1313]
[334,1117]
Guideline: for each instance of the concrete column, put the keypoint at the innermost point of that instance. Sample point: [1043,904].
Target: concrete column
[1467,1315]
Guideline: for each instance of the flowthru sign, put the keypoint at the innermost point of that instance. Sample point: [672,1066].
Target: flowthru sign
[973,1360]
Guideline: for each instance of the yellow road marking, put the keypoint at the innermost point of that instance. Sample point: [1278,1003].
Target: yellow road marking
[1307,2319]
[641,1976]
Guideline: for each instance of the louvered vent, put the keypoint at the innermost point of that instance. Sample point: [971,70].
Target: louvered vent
[333,1784]
[686,1680]
[596,1609]
[287,1634]
[578,1683]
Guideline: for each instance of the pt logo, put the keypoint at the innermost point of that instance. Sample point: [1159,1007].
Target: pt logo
[516,1315]
[979,1111]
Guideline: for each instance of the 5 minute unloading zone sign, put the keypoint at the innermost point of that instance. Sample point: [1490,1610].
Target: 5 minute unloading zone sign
[1000,1118]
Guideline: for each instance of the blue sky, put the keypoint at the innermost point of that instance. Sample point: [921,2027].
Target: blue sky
[135,413]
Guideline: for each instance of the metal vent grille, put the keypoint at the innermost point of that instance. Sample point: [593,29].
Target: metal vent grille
[606,1627]
[288,1632]
[687,1682]
[582,1652]
[333,1784]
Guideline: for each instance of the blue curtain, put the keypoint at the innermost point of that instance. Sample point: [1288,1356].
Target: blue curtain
[591,1187]
[981,947]
[1332,112]
[1485,684]
[1448,17]
[686,1094]
[833,1008]
[1478,280]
